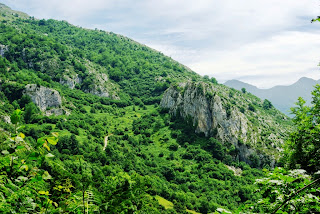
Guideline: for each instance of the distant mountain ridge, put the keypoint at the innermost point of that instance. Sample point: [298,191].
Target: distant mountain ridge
[282,97]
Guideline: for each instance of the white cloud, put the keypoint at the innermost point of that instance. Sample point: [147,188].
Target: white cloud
[280,59]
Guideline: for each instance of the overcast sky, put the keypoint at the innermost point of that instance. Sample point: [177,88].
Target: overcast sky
[262,42]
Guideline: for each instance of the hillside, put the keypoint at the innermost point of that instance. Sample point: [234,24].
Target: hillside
[56,48]
[95,122]
[282,97]
[236,119]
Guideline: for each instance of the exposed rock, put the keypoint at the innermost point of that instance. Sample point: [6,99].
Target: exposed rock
[67,111]
[209,116]
[221,210]
[5,118]
[213,115]
[100,84]
[55,111]
[43,97]
[236,171]
[3,50]
[102,77]
[102,92]
[159,79]
[98,90]
[70,81]
[102,87]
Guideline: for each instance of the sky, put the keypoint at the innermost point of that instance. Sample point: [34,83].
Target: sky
[261,42]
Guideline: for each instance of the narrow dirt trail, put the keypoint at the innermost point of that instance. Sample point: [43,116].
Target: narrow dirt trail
[106,141]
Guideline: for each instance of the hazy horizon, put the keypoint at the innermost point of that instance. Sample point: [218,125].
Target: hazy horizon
[271,86]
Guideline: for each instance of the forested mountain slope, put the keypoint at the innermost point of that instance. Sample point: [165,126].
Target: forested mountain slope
[66,53]
[82,129]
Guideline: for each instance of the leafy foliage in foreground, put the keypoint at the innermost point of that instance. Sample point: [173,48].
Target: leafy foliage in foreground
[23,179]
[291,189]
[284,191]
[303,149]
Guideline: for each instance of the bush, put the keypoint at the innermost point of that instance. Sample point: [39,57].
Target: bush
[251,107]
[267,104]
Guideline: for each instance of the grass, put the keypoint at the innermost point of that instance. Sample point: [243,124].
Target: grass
[164,202]
[169,205]
[193,212]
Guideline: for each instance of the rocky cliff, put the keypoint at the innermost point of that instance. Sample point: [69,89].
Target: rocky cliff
[45,98]
[223,113]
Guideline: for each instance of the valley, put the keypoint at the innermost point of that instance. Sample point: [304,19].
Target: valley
[94,122]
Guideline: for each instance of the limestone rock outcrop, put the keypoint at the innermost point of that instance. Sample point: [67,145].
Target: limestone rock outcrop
[102,87]
[100,84]
[43,97]
[209,115]
[209,108]
[70,81]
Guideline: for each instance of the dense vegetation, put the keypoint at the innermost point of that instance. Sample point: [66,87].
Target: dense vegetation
[127,155]
[295,188]
[142,150]
[55,49]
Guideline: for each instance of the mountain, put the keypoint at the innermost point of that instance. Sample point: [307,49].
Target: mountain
[282,97]
[92,121]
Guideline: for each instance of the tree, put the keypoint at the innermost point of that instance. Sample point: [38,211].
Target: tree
[251,107]
[206,77]
[214,80]
[69,143]
[216,148]
[30,110]
[267,104]
[303,147]
[293,189]
[24,179]
[243,90]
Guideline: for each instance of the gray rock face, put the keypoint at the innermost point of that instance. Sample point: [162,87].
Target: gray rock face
[43,97]
[3,49]
[101,86]
[209,115]
[70,81]
[212,115]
